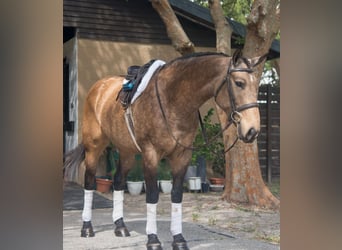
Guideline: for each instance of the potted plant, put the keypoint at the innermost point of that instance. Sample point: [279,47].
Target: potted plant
[135,177]
[165,176]
[211,147]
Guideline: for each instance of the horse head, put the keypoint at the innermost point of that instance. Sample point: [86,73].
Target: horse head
[241,86]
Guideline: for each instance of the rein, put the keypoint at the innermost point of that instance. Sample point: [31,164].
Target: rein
[234,117]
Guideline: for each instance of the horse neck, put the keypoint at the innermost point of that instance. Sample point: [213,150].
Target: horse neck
[189,83]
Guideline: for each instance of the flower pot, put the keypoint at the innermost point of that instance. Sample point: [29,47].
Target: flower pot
[216,181]
[191,172]
[103,185]
[216,188]
[134,187]
[194,183]
[166,186]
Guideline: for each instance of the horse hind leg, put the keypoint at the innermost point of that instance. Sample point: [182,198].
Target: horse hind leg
[152,197]
[126,162]
[92,155]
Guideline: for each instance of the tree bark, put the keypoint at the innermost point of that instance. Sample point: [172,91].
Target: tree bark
[175,32]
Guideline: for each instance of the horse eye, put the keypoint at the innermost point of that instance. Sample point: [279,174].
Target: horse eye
[239,84]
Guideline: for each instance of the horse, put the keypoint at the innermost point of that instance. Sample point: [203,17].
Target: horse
[165,122]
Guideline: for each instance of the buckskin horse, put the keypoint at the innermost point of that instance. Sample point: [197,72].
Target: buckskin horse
[165,124]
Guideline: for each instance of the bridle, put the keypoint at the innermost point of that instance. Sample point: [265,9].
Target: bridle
[235,115]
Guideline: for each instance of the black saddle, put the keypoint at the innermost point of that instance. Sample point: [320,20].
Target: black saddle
[134,76]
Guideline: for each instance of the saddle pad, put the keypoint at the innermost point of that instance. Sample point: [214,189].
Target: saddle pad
[146,79]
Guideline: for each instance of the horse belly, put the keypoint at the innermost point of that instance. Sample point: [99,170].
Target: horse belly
[120,136]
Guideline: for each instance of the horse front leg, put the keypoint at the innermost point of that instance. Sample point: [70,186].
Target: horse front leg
[179,243]
[152,197]
[178,171]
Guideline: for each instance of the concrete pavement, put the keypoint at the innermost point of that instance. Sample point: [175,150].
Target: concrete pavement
[197,236]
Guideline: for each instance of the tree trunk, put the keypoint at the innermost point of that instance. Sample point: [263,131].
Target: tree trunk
[276,65]
[175,32]
[244,182]
[223,38]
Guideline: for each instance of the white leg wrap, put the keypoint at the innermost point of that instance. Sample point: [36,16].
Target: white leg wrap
[88,203]
[176,218]
[151,223]
[118,197]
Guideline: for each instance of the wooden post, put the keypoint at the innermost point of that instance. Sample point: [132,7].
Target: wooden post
[269,134]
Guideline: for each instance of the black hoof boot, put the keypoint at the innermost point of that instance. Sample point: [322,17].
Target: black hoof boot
[120,229]
[179,243]
[153,243]
[87,230]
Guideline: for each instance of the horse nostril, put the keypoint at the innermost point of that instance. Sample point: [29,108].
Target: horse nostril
[251,135]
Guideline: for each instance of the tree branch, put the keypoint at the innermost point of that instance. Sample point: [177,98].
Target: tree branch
[222,27]
[175,32]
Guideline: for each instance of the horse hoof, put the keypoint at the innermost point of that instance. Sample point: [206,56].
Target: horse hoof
[154,247]
[179,243]
[153,243]
[121,232]
[179,246]
[87,230]
[120,229]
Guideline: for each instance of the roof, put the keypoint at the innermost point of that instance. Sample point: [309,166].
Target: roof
[137,21]
[202,15]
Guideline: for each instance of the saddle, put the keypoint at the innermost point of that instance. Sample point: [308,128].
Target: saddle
[131,83]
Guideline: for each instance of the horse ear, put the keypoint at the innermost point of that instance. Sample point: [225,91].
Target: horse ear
[257,60]
[237,54]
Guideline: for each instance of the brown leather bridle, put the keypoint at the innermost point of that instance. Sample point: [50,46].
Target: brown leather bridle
[235,115]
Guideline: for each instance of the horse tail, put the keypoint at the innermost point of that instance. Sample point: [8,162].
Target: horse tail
[72,161]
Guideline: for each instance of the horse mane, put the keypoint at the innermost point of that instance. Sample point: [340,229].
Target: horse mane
[197,54]
[237,55]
